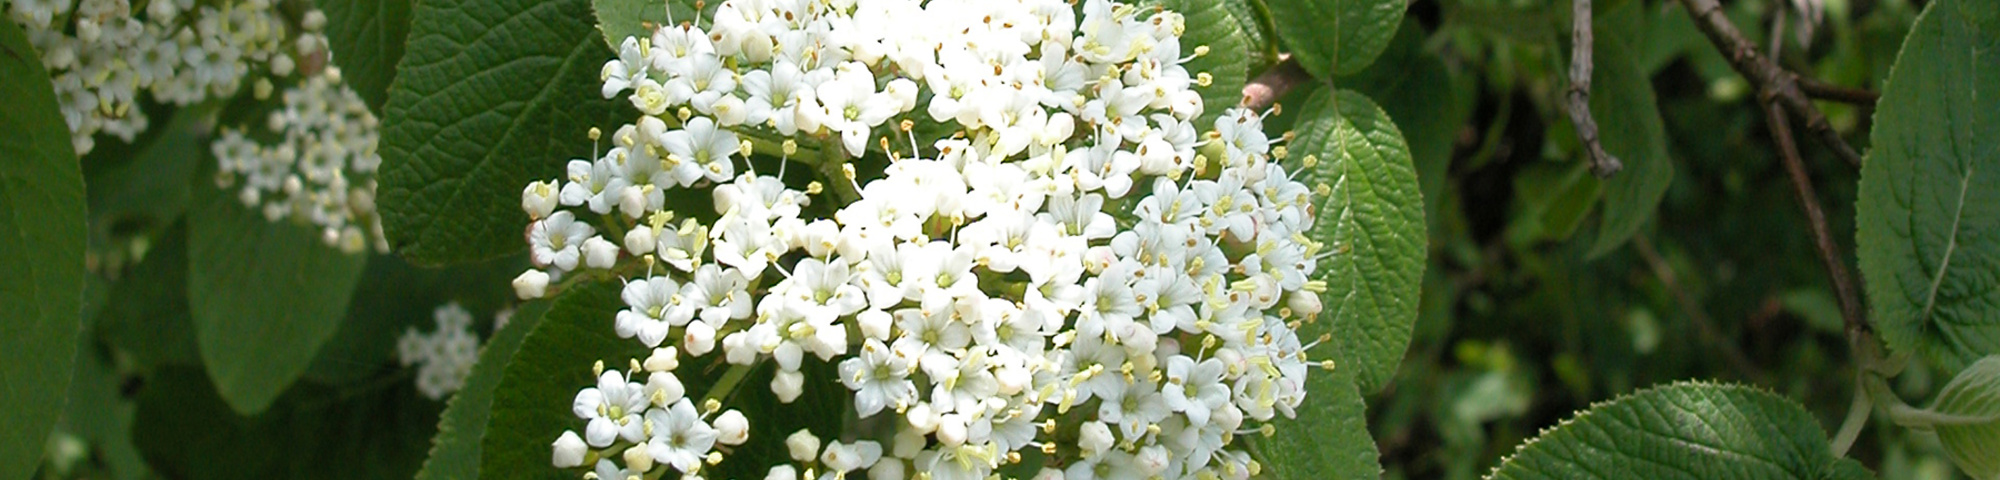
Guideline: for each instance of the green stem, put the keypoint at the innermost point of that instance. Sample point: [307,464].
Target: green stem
[726,386]
[830,169]
[1857,417]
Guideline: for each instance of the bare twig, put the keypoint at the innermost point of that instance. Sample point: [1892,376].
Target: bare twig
[1829,252]
[1838,93]
[1772,81]
[1601,162]
[1702,323]
[1268,87]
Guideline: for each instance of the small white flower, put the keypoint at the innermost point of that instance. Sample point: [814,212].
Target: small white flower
[556,241]
[614,408]
[879,378]
[680,438]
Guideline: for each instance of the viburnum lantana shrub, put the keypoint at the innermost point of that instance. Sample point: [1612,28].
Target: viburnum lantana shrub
[313,157]
[1069,266]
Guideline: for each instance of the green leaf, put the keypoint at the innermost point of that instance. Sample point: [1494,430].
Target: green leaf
[618,19]
[1328,439]
[102,415]
[1428,101]
[394,296]
[455,451]
[1373,222]
[130,194]
[1229,52]
[1628,119]
[530,406]
[490,95]
[1554,200]
[366,37]
[376,430]
[41,186]
[1687,430]
[147,315]
[265,296]
[1974,395]
[1336,37]
[1928,211]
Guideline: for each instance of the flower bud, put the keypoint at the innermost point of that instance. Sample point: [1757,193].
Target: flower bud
[632,201]
[1151,460]
[802,445]
[539,200]
[663,359]
[664,388]
[637,460]
[890,470]
[732,428]
[951,429]
[788,386]
[782,472]
[599,253]
[1304,304]
[640,240]
[875,324]
[569,450]
[698,337]
[1095,437]
[532,284]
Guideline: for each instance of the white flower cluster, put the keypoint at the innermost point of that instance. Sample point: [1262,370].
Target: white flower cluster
[321,169]
[443,357]
[1069,271]
[103,55]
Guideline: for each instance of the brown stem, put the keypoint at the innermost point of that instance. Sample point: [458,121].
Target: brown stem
[1838,93]
[1268,87]
[1702,323]
[1773,82]
[1578,106]
[1829,252]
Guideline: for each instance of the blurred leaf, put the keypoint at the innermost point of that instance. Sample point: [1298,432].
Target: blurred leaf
[366,37]
[100,413]
[150,191]
[1684,430]
[1629,120]
[1974,395]
[147,314]
[490,95]
[1328,439]
[264,295]
[1552,201]
[1929,212]
[1373,221]
[394,296]
[376,430]
[41,188]
[454,453]
[1817,307]
[1336,37]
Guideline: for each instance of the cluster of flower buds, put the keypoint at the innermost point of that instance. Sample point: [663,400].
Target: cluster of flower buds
[1062,269]
[442,357]
[107,59]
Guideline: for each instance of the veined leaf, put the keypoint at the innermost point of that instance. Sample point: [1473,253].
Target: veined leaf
[1684,431]
[1928,213]
[1373,224]
[366,37]
[455,451]
[1336,37]
[1973,395]
[1628,118]
[489,95]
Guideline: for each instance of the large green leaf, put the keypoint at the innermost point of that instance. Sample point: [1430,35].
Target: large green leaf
[394,296]
[264,295]
[42,231]
[1336,37]
[455,451]
[490,95]
[1684,431]
[1928,213]
[1372,222]
[1628,118]
[101,415]
[367,39]
[1428,101]
[1974,396]
[377,430]
[1328,439]
[530,406]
